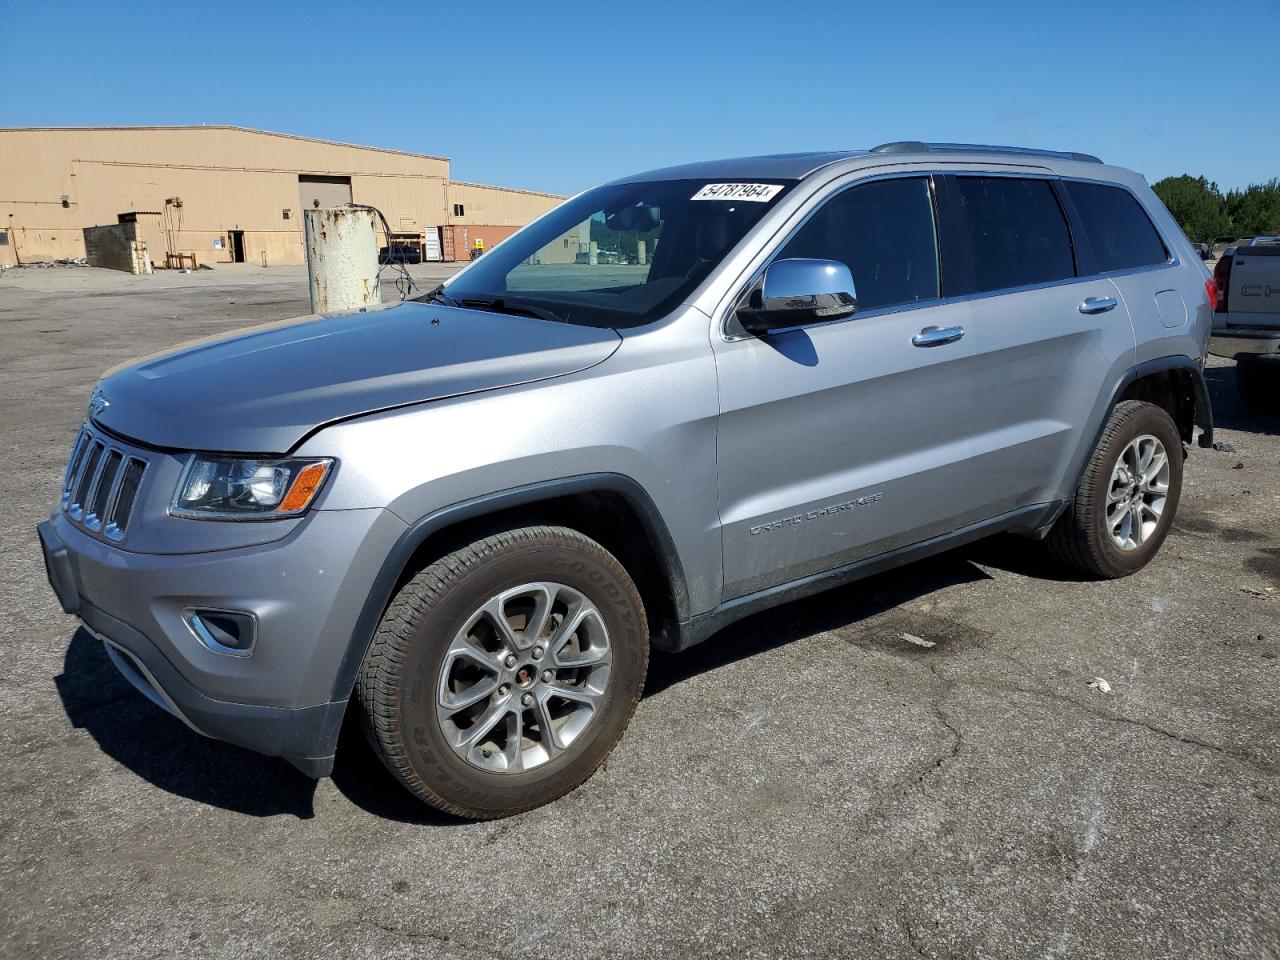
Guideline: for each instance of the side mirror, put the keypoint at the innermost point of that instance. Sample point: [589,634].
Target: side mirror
[795,292]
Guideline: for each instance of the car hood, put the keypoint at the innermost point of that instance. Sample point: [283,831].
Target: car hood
[263,390]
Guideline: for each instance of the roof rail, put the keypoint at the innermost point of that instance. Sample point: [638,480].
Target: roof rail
[917,146]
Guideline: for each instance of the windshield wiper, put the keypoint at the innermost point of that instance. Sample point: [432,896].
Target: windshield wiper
[503,305]
[496,304]
[437,295]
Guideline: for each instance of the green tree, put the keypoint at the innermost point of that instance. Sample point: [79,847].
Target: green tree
[1255,210]
[1197,205]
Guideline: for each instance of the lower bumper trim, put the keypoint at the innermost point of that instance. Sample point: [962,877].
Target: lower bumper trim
[57,567]
[138,675]
[306,737]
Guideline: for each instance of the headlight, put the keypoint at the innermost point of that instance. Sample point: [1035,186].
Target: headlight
[247,488]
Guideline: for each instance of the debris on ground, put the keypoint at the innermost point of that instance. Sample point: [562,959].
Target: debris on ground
[47,264]
[1238,466]
[1097,683]
[1266,593]
[918,641]
[1223,447]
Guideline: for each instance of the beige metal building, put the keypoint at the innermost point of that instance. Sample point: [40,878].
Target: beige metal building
[224,194]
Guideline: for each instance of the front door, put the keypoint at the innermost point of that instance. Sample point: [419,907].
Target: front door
[844,440]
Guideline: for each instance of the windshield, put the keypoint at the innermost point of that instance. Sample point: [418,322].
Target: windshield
[619,255]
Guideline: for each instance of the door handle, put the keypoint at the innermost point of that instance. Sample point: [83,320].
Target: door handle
[1098,304]
[936,336]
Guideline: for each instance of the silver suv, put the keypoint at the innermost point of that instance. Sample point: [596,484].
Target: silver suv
[673,401]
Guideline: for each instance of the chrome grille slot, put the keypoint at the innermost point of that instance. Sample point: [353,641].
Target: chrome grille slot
[101,485]
[84,482]
[104,487]
[73,465]
[130,478]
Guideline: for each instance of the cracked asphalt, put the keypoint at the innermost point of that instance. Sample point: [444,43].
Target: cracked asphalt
[809,783]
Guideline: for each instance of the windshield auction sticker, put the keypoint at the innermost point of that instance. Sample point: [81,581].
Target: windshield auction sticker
[752,192]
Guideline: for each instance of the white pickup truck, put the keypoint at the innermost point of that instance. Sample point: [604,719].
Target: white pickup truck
[1246,319]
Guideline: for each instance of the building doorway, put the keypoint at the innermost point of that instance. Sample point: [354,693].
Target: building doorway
[237,245]
[321,191]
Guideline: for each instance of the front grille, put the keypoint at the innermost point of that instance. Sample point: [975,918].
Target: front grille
[101,485]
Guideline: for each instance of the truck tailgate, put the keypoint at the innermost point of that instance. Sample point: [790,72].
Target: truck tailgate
[1253,289]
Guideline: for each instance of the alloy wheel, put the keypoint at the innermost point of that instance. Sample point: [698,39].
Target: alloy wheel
[524,677]
[1138,491]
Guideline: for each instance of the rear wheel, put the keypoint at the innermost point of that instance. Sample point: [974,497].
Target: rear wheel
[1127,497]
[503,674]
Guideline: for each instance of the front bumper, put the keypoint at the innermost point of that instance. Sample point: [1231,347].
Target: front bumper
[306,591]
[1236,342]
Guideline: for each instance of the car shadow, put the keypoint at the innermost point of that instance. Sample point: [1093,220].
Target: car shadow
[162,750]
[1229,410]
[795,345]
[1024,556]
[363,779]
[830,610]
[166,753]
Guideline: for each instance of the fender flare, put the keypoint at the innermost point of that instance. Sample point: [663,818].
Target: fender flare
[1202,416]
[1203,413]
[416,535]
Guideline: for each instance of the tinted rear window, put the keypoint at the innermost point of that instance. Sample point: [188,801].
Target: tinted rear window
[1119,230]
[884,233]
[1016,233]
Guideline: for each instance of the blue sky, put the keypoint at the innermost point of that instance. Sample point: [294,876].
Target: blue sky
[558,96]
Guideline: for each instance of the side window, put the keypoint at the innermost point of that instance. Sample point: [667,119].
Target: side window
[1119,230]
[1017,234]
[884,232]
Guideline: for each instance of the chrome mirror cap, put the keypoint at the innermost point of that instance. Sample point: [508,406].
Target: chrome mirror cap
[799,291]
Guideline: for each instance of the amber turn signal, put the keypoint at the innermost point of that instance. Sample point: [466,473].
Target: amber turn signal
[304,487]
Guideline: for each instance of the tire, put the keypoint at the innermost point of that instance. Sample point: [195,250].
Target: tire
[1083,537]
[1258,382]
[440,641]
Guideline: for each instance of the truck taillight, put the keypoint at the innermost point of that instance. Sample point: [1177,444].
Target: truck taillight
[1211,291]
[1221,273]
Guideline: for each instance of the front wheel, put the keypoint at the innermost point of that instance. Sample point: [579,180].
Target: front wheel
[1127,497]
[503,674]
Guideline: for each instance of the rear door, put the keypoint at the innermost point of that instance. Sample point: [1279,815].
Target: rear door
[843,440]
[1124,246]
[1048,342]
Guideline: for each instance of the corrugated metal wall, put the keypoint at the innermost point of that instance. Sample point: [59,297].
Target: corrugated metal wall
[55,182]
[495,206]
